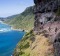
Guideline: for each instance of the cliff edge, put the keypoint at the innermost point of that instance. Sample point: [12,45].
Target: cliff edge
[44,39]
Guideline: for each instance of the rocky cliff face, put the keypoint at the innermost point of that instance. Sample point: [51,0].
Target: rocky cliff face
[44,11]
[47,20]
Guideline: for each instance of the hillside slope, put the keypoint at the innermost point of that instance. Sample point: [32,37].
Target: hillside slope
[24,20]
[34,45]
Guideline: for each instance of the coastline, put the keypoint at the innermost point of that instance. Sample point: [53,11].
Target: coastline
[14,28]
[19,29]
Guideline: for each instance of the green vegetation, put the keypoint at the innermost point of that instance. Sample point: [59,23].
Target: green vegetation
[58,12]
[25,20]
[23,46]
[34,45]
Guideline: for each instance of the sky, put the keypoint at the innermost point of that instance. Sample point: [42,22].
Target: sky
[12,7]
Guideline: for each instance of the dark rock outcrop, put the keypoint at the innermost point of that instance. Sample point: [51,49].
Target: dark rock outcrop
[45,15]
[57,45]
[47,20]
[46,5]
[44,11]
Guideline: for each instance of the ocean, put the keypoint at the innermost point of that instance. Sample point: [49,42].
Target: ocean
[9,39]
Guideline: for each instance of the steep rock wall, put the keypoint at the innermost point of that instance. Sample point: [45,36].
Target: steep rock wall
[47,20]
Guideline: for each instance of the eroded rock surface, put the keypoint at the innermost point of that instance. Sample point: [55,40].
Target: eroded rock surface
[47,20]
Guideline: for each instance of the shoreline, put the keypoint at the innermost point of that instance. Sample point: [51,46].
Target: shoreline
[14,28]
[19,29]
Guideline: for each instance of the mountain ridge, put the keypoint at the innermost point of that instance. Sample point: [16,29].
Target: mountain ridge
[23,20]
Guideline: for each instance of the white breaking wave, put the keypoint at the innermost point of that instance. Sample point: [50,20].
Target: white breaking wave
[5,30]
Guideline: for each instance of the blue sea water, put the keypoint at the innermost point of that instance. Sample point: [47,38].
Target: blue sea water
[8,39]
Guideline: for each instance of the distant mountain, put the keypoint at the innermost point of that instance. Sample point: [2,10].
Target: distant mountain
[2,19]
[11,17]
[7,18]
[24,20]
